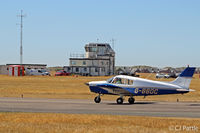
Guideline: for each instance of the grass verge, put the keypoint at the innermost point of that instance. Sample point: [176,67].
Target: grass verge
[60,123]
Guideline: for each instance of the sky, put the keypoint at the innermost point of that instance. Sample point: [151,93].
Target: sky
[156,33]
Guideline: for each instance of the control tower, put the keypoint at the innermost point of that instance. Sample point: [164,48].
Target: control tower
[99,60]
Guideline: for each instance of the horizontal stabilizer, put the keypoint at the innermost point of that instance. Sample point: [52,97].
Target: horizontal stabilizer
[184,90]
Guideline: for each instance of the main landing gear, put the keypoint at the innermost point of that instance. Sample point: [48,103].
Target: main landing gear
[131,100]
[120,100]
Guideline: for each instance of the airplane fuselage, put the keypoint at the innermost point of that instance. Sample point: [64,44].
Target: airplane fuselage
[140,87]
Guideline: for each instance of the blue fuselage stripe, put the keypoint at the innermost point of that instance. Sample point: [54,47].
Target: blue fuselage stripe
[135,91]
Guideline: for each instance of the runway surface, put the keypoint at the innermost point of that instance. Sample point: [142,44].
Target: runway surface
[77,106]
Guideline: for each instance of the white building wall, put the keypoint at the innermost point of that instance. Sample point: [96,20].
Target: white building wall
[3,70]
[99,60]
[93,67]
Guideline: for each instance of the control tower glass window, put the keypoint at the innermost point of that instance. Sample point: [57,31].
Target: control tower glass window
[93,49]
[101,50]
[73,62]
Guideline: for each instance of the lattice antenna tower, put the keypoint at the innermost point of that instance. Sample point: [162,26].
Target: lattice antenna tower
[21,36]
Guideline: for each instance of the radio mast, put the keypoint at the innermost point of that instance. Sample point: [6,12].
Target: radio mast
[21,36]
[113,43]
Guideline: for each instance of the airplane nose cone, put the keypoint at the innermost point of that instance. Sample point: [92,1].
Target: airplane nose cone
[87,83]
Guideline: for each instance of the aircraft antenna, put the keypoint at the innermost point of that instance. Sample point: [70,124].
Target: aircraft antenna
[113,43]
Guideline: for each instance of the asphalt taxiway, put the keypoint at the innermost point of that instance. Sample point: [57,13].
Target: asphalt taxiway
[78,106]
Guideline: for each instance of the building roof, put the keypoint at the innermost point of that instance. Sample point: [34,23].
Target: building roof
[88,59]
[28,64]
[97,44]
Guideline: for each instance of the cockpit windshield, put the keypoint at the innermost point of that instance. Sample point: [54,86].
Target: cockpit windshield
[117,80]
[110,80]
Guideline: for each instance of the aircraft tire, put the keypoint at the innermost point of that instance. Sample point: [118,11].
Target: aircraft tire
[120,100]
[131,100]
[97,99]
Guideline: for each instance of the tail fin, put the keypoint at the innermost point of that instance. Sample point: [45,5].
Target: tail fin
[184,79]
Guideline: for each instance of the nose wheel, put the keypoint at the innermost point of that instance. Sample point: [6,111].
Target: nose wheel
[97,99]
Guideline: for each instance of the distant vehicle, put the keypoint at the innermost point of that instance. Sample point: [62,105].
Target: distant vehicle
[62,73]
[160,75]
[171,75]
[129,74]
[132,86]
[42,72]
[174,75]
[167,76]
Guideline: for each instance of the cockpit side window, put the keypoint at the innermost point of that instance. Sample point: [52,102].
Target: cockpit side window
[122,81]
[127,81]
[117,81]
[130,82]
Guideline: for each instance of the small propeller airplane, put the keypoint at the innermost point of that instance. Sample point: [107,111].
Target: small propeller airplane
[133,86]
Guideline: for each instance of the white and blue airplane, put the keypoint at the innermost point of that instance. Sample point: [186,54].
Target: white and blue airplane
[132,86]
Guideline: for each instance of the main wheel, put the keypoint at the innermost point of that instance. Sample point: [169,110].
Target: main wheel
[120,100]
[131,100]
[97,99]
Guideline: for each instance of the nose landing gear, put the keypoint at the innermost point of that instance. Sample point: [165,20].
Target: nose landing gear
[97,99]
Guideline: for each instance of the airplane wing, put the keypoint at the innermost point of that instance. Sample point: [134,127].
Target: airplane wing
[108,86]
[116,89]
[131,90]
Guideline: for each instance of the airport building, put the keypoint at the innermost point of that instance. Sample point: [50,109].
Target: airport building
[4,68]
[99,60]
